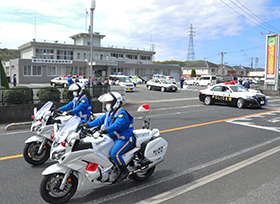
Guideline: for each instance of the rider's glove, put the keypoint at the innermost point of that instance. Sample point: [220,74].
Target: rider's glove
[83,126]
[105,131]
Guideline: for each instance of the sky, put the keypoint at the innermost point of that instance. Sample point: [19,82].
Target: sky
[237,28]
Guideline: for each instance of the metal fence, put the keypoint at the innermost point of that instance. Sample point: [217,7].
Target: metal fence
[28,95]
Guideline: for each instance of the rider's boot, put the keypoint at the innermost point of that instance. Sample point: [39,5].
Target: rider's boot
[123,174]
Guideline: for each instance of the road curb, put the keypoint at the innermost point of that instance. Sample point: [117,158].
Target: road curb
[16,126]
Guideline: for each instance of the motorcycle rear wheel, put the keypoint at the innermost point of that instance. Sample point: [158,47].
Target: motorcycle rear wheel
[32,157]
[143,176]
[49,188]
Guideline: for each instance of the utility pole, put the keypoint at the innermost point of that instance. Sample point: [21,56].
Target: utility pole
[222,54]
[252,58]
[256,62]
[92,7]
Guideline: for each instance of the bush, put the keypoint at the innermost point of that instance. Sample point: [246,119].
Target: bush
[67,95]
[48,94]
[18,95]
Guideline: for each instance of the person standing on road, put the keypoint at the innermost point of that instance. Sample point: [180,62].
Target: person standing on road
[240,81]
[69,80]
[182,81]
[14,80]
[247,84]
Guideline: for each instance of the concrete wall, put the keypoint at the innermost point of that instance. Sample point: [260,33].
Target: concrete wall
[23,113]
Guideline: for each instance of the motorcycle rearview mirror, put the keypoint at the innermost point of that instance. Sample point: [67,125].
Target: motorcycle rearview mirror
[55,128]
[35,111]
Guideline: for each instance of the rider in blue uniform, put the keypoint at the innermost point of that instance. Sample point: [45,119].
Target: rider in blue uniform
[69,80]
[118,124]
[80,105]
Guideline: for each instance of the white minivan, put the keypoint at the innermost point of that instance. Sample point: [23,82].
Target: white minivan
[207,80]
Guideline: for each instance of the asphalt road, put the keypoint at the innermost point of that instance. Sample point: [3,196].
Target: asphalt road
[216,154]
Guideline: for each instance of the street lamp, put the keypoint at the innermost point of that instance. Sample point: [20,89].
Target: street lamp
[92,7]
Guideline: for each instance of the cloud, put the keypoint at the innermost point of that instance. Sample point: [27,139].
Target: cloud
[129,23]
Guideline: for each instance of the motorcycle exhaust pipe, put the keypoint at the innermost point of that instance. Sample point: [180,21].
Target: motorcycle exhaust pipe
[148,167]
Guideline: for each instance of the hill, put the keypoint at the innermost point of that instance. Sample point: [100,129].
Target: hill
[7,54]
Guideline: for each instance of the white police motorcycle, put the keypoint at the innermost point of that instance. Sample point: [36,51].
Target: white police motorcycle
[37,148]
[85,164]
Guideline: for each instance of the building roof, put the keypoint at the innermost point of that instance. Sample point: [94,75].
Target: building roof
[205,64]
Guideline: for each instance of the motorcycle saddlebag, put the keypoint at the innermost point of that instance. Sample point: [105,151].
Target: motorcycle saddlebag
[155,149]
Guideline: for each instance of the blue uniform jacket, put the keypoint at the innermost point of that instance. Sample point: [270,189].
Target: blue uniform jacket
[121,128]
[69,81]
[80,106]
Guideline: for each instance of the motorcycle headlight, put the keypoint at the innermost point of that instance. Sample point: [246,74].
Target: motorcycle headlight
[58,154]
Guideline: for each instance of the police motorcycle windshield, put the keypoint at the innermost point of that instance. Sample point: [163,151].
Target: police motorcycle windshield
[70,127]
[43,110]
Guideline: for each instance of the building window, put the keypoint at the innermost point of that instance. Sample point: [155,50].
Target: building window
[78,56]
[52,71]
[27,70]
[85,56]
[36,71]
[61,70]
[65,54]
[143,57]
[78,70]
[44,53]
[131,56]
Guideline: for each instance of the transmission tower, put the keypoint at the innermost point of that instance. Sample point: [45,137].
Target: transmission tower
[191,33]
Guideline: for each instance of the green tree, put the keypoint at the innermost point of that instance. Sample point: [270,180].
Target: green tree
[193,74]
[4,80]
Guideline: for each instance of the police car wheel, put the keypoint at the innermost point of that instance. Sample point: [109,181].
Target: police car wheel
[162,89]
[53,84]
[149,87]
[208,100]
[240,103]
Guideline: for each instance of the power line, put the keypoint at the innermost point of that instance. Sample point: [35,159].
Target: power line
[244,16]
[257,16]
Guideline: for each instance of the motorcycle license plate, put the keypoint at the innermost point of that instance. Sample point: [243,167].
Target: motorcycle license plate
[128,89]
[262,102]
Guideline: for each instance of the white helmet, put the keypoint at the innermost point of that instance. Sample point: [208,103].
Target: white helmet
[114,97]
[79,87]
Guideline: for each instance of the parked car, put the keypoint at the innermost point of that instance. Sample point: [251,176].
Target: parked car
[191,81]
[207,80]
[59,81]
[171,79]
[232,94]
[223,79]
[135,79]
[161,84]
[144,79]
[122,80]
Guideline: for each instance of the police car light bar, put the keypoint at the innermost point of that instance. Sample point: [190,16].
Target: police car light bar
[144,108]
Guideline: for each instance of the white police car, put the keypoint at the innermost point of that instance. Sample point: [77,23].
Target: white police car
[161,84]
[232,94]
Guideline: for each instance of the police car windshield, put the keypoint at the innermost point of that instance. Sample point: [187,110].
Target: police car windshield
[239,89]
[165,81]
[124,79]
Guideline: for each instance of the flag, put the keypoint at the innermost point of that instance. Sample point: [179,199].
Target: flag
[261,33]
[86,11]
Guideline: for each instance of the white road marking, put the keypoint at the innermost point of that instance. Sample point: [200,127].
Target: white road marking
[207,179]
[187,171]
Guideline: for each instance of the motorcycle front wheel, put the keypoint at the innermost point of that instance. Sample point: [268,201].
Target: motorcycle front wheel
[30,153]
[143,176]
[50,191]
